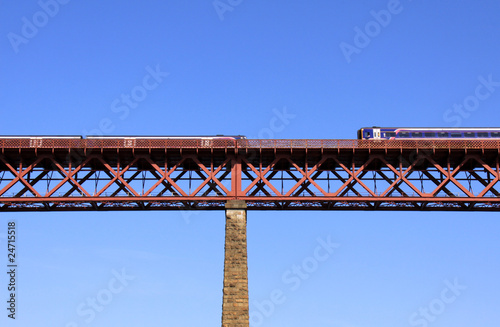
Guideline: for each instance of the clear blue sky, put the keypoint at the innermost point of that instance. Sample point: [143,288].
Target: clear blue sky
[281,69]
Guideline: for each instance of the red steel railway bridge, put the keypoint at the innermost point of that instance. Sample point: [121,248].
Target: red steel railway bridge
[57,174]
[148,174]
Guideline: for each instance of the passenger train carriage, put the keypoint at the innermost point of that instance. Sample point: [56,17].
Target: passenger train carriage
[422,133]
[216,137]
[203,141]
[121,141]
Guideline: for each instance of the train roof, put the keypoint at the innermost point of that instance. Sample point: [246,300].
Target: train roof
[441,128]
[163,136]
[41,136]
[118,136]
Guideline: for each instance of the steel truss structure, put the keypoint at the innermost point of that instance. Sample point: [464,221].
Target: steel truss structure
[149,174]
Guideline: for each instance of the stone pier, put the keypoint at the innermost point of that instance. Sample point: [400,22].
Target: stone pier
[235,292]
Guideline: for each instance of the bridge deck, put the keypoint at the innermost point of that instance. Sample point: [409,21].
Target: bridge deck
[149,174]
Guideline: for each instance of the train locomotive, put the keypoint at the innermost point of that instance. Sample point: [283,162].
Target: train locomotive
[423,133]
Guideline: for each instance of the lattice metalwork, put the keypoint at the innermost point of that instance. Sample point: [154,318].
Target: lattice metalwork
[148,174]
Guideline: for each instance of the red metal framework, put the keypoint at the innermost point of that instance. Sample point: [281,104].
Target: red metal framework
[148,174]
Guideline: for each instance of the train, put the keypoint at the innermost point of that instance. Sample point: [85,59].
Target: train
[124,141]
[365,133]
[109,137]
[424,133]
[171,137]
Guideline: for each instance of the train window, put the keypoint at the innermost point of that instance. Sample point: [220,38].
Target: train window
[456,134]
[469,134]
[482,134]
[416,134]
[495,134]
[442,134]
[404,134]
[430,134]
[390,134]
[367,134]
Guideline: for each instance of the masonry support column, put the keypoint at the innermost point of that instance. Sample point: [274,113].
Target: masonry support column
[235,292]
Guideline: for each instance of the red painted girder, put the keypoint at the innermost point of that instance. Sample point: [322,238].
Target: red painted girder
[222,199]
